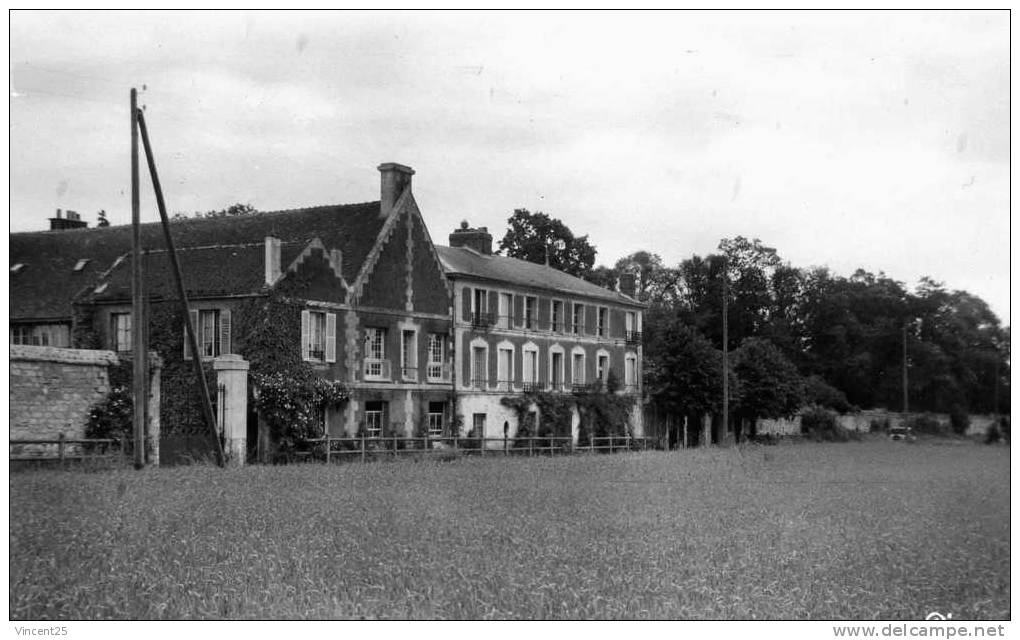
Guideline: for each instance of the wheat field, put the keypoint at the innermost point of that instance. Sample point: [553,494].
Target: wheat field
[859,530]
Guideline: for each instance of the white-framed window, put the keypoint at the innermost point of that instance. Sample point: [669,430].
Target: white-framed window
[120,332]
[375,417]
[529,367]
[409,354]
[556,368]
[435,418]
[479,366]
[577,321]
[212,332]
[478,424]
[530,311]
[318,336]
[602,322]
[630,370]
[556,321]
[577,363]
[377,366]
[504,367]
[506,310]
[436,370]
[602,366]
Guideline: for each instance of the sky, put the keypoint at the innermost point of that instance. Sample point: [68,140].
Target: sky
[875,140]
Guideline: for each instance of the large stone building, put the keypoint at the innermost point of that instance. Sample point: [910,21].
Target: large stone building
[424,337]
[521,327]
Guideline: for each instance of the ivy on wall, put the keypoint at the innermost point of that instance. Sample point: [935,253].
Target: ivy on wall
[285,390]
[602,413]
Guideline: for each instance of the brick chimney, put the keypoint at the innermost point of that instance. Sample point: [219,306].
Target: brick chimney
[395,178]
[72,221]
[478,239]
[627,284]
[272,260]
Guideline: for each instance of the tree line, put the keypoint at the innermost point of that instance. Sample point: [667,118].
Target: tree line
[796,336]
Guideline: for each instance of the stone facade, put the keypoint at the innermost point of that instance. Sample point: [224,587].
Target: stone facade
[52,390]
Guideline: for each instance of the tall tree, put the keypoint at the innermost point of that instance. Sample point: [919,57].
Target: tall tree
[536,236]
[770,385]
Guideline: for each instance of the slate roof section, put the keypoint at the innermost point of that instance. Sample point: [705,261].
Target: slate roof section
[208,272]
[468,262]
[44,289]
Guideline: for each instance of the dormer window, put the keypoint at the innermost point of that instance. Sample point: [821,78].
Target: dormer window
[81,264]
[17,268]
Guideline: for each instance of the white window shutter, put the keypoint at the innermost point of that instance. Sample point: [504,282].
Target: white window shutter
[187,341]
[305,321]
[330,337]
[225,331]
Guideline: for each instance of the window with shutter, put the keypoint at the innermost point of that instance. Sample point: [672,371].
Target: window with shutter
[330,337]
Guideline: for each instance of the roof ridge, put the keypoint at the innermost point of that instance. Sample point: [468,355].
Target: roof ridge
[201,220]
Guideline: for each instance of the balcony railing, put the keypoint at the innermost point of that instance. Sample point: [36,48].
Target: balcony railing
[504,385]
[580,387]
[532,387]
[377,369]
[480,383]
[482,319]
[632,337]
[409,373]
[437,373]
[556,386]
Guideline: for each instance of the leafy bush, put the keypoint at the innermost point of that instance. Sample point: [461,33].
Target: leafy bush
[113,416]
[820,424]
[992,434]
[819,392]
[926,423]
[959,420]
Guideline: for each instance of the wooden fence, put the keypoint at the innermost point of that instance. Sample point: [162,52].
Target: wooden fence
[70,451]
[337,449]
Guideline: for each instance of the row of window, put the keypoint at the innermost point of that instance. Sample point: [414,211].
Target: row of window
[505,374]
[558,321]
[212,332]
[41,335]
[377,414]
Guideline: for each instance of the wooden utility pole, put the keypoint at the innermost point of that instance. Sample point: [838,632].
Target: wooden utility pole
[906,405]
[725,357]
[138,323]
[207,411]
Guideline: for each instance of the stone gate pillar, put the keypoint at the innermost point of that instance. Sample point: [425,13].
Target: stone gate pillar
[152,412]
[232,376]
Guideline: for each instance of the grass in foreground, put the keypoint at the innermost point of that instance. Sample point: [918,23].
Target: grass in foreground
[858,530]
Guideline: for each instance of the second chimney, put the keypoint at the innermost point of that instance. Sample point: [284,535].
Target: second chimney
[395,178]
[478,239]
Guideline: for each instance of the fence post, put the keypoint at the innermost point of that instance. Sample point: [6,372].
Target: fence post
[611,439]
[123,447]
[362,447]
[327,447]
[394,445]
[531,446]
[60,448]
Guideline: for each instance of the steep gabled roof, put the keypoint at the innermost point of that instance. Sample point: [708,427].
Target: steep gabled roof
[47,284]
[462,261]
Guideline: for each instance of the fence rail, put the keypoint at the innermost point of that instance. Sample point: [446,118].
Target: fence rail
[62,450]
[340,448]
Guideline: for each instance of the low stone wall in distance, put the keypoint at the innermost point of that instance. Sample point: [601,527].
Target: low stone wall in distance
[861,421]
